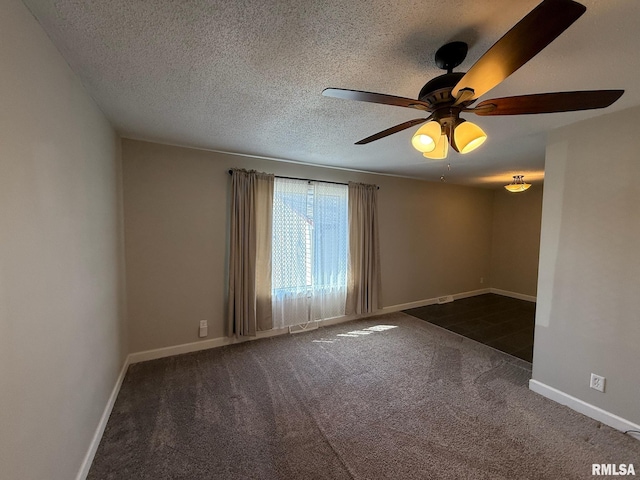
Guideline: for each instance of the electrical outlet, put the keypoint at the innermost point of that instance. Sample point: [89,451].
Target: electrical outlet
[597,382]
[481,279]
[203,329]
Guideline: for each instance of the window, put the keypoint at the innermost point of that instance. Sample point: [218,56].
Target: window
[310,251]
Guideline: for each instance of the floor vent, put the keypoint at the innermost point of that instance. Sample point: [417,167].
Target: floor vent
[303,327]
[445,299]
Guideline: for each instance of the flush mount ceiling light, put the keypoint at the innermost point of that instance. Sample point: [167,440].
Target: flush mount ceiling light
[518,184]
[447,96]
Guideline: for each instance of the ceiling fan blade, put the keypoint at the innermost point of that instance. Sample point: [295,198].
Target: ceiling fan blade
[548,102]
[375,98]
[392,130]
[520,44]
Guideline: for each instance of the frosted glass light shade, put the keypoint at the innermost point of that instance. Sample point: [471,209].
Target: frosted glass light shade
[441,149]
[517,185]
[468,136]
[425,138]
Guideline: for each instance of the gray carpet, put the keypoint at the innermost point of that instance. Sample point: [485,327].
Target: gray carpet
[410,402]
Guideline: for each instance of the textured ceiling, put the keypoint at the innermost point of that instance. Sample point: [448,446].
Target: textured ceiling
[246,76]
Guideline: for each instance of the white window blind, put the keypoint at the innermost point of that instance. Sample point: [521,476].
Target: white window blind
[310,251]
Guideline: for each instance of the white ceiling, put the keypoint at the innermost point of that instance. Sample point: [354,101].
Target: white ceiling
[246,76]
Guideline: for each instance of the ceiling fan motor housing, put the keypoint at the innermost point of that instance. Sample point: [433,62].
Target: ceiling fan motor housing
[437,91]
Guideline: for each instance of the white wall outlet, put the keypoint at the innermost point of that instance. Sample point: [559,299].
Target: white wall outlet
[597,382]
[203,329]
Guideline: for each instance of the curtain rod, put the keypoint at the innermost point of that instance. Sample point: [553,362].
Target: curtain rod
[307,179]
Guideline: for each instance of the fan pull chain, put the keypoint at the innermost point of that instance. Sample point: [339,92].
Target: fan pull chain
[442,177]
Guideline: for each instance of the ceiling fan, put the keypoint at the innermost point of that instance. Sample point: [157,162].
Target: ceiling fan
[447,96]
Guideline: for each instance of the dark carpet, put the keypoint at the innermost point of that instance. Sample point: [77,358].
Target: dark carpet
[388,397]
[501,322]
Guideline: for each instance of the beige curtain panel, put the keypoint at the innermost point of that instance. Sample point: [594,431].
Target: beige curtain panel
[363,277]
[249,308]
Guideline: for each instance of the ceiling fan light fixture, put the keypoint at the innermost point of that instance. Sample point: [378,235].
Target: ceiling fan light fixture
[468,136]
[423,143]
[518,184]
[425,138]
[441,150]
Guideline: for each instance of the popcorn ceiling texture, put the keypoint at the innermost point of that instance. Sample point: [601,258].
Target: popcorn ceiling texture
[247,76]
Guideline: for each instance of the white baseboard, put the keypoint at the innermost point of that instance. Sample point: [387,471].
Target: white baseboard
[172,350]
[163,352]
[583,407]
[345,319]
[406,306]
[519,296]
[102,424]
[429,301]
[472,293]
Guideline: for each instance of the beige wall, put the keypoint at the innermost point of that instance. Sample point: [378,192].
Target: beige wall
[435,238]
[588,312]
[62,340]
[516,240]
